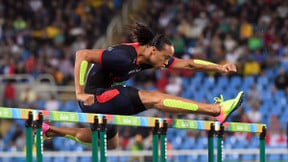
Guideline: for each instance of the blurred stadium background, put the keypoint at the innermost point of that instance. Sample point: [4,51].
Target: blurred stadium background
[38,40]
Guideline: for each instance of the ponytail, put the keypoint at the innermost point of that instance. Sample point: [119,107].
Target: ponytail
[144,36]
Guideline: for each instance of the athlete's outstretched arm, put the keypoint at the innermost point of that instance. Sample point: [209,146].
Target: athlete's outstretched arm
[202,65]
[82,61]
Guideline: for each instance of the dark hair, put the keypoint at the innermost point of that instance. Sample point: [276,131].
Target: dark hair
[144,36]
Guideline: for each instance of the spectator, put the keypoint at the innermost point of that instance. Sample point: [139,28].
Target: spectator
[19,23]
[138,145]
[4,64]
[260,57]
[146,80]
[179,45]
[238,117]
[174,87]
[254,115]
[246,30]
[281,81]
[229,43]
[255,43]
[278,139]
[274,131]
[125,140]
[233,55]
[148,144]
[57,74]
[20,141]
[52,104]
[253,95]
[184,28]
[10,67]
[35,5]
[9,95]
[162,81]
[27,97]
[66,68]
[30,64]
[251,67]
[18,138]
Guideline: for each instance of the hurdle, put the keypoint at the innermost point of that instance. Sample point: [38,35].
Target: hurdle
[160,125]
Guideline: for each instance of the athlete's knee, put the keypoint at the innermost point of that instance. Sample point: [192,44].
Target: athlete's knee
[84,135]
[150,98]
[113,142]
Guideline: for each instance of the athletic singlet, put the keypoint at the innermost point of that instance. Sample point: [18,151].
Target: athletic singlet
[117,64]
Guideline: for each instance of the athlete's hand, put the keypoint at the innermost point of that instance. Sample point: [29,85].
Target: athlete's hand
[87,99]
[227,68]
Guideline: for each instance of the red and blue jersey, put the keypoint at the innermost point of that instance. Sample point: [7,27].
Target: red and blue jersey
[117,64]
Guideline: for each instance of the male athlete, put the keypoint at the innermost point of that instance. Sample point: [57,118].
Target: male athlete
[99,75]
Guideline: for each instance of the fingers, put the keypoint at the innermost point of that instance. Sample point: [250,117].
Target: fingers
[88,100]
[233,68]
[229,68]
[226,69]
[88,103]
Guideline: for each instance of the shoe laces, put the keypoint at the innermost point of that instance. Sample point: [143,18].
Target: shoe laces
[219,99]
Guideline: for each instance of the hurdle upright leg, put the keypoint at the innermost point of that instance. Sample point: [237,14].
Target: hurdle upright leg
[39,136]
[95,131]
[262,144]
[155,139]
[163,141]
[103,140]
[29,138]
[220,155]
[211,143]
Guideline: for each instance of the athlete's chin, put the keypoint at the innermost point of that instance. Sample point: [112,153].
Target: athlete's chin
[161,67]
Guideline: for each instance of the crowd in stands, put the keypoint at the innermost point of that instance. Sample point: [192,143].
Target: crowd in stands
[251,34]
[42,36]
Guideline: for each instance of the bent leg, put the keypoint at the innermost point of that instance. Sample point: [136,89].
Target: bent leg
[174,104]
[81,135]
[119,100]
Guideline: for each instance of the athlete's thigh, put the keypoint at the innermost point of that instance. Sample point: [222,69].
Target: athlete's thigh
[120,100]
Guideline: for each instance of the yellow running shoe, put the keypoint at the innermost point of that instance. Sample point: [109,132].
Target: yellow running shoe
[228,106]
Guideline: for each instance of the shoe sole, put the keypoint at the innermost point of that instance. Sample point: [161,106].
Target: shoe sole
[237,106]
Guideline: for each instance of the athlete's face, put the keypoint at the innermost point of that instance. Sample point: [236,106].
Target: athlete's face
[159,59]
